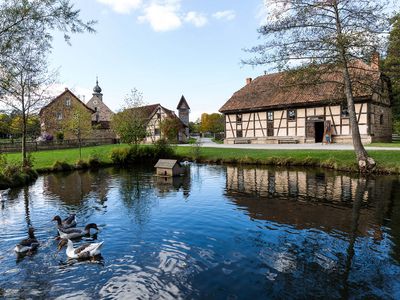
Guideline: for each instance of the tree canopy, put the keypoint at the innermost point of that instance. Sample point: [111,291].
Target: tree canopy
[213,123]
[131,122]
[392,68]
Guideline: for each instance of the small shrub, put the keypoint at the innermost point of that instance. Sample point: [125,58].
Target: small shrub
[3,162]
[11,171]
[120,156]
[195,150]
[60,136]
[94,162]
[61,166]
[81,164]
[163,149]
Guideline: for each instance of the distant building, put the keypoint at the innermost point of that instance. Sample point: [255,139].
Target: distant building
[54,115]
[101,119]
[58,111]
[267,111]
[155,114]
[184,111]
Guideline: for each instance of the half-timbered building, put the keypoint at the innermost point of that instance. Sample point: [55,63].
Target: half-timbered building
[155,114]
[268,110]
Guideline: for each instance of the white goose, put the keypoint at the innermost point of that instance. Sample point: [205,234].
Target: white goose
[83,252]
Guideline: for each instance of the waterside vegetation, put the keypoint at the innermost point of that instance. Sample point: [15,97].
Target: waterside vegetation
[122,155]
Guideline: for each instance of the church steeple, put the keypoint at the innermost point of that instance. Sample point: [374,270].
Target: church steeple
[97,90]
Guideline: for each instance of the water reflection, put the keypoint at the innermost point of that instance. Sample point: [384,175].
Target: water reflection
[72,187]
[310,199]
[218,232]
[356,210]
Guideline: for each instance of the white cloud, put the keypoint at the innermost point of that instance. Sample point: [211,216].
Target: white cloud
[197,19]
[122,6]
[227,15]
[162,16]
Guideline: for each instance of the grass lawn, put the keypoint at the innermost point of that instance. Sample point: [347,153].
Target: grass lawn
[46,159]
[392,144]
[387,160]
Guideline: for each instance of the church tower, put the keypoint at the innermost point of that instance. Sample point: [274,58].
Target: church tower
[97,90]
[184,111]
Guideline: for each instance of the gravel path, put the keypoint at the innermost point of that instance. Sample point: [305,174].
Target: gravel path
[207,142]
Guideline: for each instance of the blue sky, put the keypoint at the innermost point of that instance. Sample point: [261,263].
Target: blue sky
[164,48]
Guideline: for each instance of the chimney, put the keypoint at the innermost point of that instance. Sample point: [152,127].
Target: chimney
[375,61]
[66,89]
[248,80]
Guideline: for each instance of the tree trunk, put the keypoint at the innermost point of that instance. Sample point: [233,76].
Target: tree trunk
[23,141]
[366,164]
[80,149]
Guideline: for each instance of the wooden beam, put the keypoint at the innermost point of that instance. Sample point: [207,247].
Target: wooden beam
[248,123]
[333,119]
[230,123]
[280,121]
[259,120]
[359,113]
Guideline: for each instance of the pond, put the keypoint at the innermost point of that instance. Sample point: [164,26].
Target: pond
[219,232]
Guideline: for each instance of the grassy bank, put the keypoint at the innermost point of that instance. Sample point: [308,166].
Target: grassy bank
[388,161]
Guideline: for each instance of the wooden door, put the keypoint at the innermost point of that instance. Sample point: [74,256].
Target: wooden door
[310,130]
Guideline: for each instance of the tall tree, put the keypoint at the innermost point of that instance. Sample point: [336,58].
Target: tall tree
[25,82]
[26,30]
[131,122]
[79,125]
[170,129]
[213,123]
[392,68]
[321,37]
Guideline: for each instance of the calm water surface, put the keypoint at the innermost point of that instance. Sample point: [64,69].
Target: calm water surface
[217,233]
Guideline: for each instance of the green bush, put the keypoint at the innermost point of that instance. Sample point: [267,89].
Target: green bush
[81,164]
[60,136]
[163,149]
[141,153]
[12,175]
[120,156]
[61,166]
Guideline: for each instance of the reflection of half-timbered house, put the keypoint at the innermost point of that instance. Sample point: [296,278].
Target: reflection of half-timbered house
[268,110]
[306,199]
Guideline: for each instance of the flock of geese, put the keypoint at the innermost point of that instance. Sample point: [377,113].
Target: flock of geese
[67,232]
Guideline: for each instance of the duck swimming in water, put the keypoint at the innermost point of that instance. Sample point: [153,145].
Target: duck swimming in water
[68,222]
[29,244]
[83,252]
[76,233]
[4,194]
